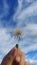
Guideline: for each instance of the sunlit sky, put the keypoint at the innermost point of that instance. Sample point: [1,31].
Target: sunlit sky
[19,14]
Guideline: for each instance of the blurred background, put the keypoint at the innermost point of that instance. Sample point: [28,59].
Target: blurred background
[19,14]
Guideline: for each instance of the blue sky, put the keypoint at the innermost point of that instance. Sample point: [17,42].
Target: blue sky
[19,14]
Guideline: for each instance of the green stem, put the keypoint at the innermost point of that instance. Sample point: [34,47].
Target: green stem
[16,45]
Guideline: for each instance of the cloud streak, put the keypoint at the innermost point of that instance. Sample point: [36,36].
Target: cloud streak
[24,15]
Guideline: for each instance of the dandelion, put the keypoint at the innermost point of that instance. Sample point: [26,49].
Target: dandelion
[18,33]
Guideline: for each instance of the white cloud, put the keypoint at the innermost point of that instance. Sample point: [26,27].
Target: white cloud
[29,1]
[22,16]
[18,10]
[30,38]
[32,28]
[32,47]
[31,10]
[6,42]
[5,9]
[32,61]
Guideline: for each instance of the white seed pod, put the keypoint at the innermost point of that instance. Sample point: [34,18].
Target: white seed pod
[18,33]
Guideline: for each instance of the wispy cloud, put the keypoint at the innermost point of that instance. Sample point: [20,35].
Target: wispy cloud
[6,42]
[32,62]
[30,1]
[24,15]
[5,9]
